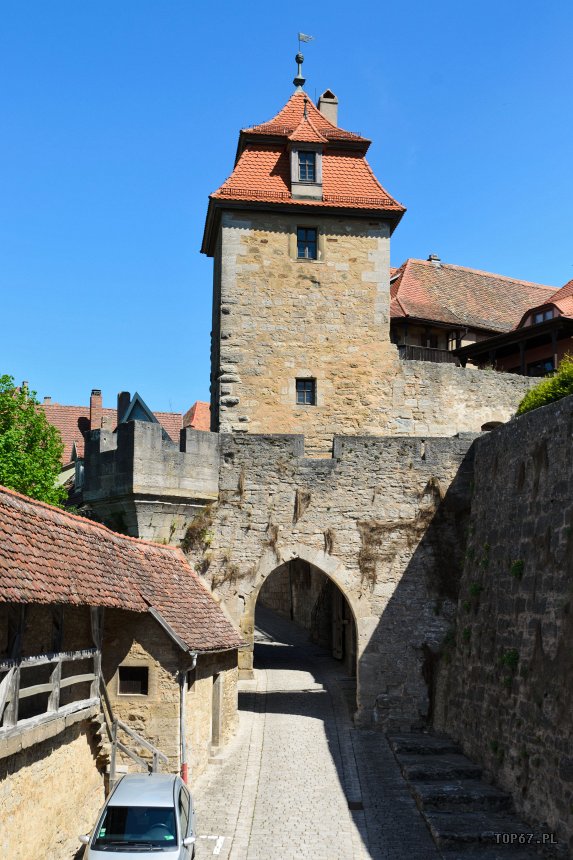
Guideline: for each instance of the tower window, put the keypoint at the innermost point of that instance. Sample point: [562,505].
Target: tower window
[307,167]
[306,243]
[306,392]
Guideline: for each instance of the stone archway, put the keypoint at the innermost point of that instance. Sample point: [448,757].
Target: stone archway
[357,612]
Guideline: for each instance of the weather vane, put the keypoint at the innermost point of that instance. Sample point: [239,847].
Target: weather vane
[299,59]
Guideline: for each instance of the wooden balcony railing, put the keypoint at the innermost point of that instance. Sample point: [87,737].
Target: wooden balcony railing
[409,352]
[48,704]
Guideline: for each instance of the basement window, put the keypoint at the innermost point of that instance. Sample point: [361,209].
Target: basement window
[133,681]
[306,392]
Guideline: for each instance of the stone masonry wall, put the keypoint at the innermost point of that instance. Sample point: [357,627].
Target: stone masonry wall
[277,318]
[135,640]
[383,519]
[504,686]
[137,481]
[50,793]
[281,318]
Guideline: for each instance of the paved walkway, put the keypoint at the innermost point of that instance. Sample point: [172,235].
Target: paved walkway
[298,781]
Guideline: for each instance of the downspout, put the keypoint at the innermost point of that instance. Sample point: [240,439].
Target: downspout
[182,733]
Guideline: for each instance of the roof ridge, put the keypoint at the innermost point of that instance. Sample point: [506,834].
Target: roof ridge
[482,272]
[84,521]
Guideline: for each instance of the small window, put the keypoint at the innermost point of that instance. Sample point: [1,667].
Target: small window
[306,392]
[538,318]
[133,680]
[548,315]
[306,243]
[307,167]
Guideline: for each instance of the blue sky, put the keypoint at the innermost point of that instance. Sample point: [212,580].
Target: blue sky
[119,117]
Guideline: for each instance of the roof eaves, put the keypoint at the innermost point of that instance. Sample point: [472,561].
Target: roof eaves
[169,630]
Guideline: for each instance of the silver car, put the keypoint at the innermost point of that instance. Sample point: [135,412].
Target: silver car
[144,813]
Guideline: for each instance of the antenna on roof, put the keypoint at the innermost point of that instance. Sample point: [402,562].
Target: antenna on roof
[299,81]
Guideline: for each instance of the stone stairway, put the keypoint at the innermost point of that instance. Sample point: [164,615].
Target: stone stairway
[467,817]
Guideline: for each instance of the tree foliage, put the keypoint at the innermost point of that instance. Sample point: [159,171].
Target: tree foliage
[558,386]
[30,447]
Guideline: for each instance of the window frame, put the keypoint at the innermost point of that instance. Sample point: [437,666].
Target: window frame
[302,156]
[310,390]
[128,667]
[306,243]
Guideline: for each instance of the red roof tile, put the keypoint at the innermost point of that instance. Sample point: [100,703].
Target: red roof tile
[288,118]
[460,296]
[262,173]
[50,556]
[262,167]
[198,417]
[307,132]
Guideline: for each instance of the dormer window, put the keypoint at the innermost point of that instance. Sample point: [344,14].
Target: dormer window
[307,166]
[306,170]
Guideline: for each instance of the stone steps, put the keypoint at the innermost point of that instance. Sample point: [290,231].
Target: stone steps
[467,817]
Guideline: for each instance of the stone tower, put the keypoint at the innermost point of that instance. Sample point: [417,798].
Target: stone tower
[300,236]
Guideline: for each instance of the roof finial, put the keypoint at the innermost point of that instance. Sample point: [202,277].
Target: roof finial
[299,80]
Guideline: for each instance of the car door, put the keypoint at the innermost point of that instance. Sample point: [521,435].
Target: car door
[185,821]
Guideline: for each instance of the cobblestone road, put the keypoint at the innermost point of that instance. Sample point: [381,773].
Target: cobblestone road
[298,781]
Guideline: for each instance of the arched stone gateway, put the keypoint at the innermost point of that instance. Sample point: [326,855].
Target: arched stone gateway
[313,589]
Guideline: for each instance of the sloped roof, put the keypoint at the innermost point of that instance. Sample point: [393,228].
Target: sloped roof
[562,299]
[198,417]
[457,295]
[289,117]
[73,421]
[307,132]
[261,173]
[50,556]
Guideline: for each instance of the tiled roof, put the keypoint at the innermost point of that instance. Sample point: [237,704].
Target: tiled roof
[306,132]
[459,296]
[262,167]
[49,556]
[198,417]
[563,298]
[262,174]
[289,117]
[74,421]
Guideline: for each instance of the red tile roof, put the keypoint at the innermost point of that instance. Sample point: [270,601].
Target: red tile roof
[49,556]
[562,299]
[74,421]
[288,118]
[459,296]
[262,167]
[307,132]
[262,174]
[198,417]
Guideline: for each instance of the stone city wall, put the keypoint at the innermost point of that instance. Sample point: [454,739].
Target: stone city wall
[383,518]
[138,482]
[277,319]
[50,793]
[504,686]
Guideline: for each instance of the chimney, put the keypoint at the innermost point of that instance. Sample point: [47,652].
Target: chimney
[123,401]
[96,409]
[47,401]
[434,260]
[328,106]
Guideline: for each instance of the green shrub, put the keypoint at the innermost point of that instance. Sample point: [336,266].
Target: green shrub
[516,568]
[550,390]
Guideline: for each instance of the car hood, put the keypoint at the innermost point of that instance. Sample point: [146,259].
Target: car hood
[141,854]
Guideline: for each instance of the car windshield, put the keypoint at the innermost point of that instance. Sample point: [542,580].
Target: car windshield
[151,826]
